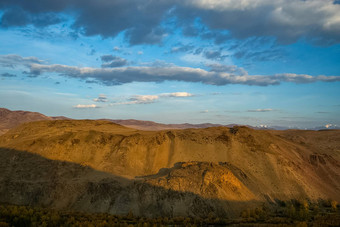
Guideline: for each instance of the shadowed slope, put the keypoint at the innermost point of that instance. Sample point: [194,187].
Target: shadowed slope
[29,179]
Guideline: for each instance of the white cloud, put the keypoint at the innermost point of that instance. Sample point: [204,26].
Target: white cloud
[176,94]
[81,106]
[261,110]
[148,99]
[139,99]
[140,52]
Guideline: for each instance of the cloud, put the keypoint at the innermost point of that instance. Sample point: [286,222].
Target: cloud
[182,48]
[227,69]
[7,75]
[261,110]
[143,21]
[15,16]
[176,94]
[287,21]
[139,99]
[214,54]
[13,60]
[148,99]
[265,55]
[101,98]
[92,52]
[160,73]
[90,106]
[111,61]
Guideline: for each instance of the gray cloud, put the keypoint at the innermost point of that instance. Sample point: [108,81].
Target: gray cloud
[322,112]
[13,60]
[286,20]
[182,48]
[101,98]
[7,75]
[264,55]
[214,54]
[18,17]
[111,61]
[159,73]
[121,75]
[227,68]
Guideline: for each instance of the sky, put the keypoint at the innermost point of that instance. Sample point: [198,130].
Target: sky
[255,62]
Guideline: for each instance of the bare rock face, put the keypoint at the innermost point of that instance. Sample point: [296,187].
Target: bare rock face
[99,166]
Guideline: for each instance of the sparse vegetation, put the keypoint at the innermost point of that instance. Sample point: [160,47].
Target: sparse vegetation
[283,213]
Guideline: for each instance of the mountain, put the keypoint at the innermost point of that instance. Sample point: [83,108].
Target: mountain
[100,166]
[153,126]
[327,127]
[10,119]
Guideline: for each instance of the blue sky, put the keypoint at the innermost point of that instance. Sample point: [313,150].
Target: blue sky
[255,62]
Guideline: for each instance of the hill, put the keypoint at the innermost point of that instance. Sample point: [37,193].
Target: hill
[11,119]
[170,172]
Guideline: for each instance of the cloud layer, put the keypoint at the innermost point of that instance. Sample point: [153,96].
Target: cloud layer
[218,75]
[143,20]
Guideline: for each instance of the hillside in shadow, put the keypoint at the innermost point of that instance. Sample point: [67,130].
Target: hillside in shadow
[31,180]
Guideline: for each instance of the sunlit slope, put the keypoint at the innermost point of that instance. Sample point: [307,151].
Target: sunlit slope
[267,165]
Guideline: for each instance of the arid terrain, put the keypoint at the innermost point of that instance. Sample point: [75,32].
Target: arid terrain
[100,166]
[10,119]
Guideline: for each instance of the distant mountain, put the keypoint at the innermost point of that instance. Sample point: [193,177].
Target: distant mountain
[327,127]
[153,126]
[10,119]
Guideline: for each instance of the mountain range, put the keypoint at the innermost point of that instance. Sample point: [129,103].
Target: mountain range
[10,119]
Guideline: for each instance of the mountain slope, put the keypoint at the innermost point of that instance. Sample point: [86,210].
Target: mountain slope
[220,164]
